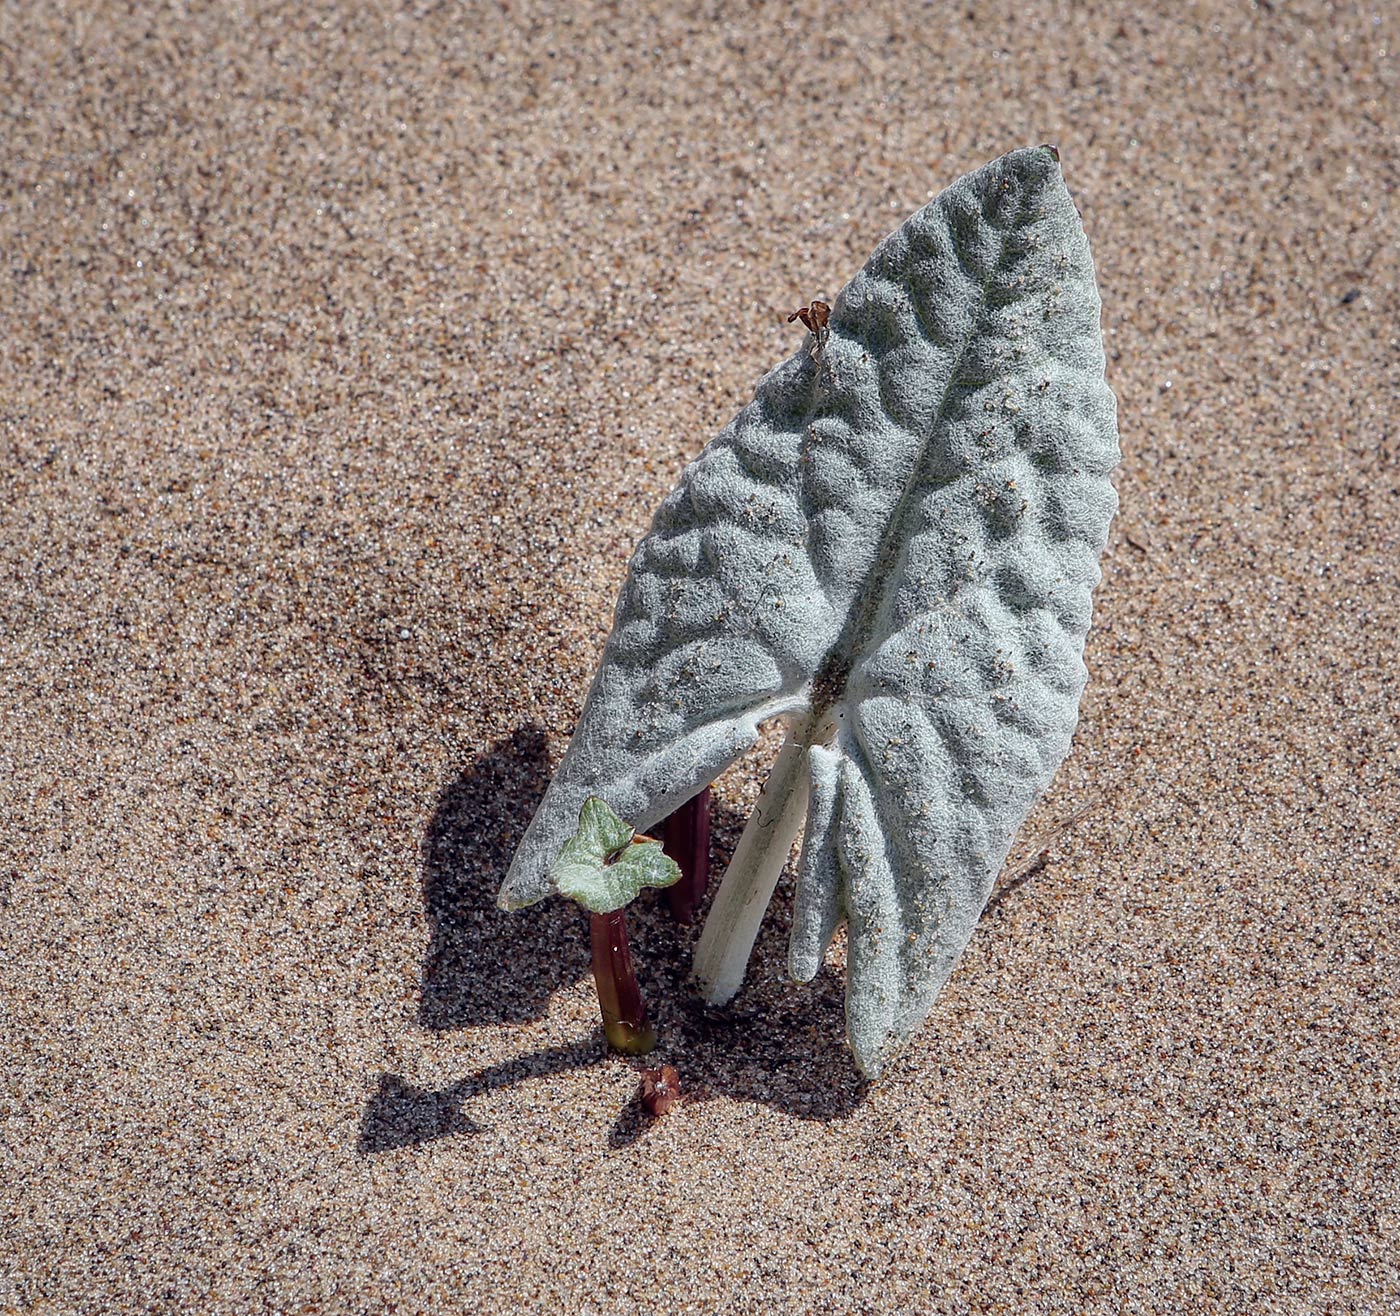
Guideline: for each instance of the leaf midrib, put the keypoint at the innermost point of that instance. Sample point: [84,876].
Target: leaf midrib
[861,626]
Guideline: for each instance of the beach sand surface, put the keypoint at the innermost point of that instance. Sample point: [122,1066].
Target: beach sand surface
[348,350]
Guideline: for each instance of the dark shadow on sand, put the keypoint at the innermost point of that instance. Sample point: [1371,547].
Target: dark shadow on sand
[483,965]
[401,1115]
[777,1043]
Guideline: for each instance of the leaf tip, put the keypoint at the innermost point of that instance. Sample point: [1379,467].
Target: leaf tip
[509,899]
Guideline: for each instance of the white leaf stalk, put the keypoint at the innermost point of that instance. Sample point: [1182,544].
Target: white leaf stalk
[722,954]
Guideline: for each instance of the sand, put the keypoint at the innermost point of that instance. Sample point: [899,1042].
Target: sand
[346,355]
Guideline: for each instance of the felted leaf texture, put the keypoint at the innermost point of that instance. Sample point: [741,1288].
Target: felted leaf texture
[893,547]
[604,865]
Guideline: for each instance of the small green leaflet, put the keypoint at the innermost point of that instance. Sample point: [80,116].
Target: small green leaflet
[605,864]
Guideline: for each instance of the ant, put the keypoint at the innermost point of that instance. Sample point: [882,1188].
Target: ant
[815,319]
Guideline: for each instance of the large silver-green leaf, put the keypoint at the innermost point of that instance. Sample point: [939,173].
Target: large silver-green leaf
[894,545]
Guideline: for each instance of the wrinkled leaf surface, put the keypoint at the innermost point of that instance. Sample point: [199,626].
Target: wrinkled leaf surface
[894,544]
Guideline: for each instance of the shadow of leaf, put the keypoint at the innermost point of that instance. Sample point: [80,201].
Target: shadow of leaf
[484,965]
[401,1115]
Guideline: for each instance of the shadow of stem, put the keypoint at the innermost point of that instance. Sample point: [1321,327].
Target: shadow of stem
[401,1115]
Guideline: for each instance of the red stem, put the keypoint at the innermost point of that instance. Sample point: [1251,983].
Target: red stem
[686,836]
[619,996]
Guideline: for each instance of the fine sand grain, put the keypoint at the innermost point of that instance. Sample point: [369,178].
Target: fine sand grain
[346,352]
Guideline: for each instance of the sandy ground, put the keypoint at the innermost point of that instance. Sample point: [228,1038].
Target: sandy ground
[346,353]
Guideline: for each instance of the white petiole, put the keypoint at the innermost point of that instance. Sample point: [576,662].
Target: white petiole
[722,955]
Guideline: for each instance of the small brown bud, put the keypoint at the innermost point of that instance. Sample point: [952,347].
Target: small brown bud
[661,1089]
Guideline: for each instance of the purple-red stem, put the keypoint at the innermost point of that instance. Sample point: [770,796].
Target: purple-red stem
[686,837]
[619,997]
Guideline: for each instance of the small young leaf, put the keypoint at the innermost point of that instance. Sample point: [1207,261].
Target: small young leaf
[605,864]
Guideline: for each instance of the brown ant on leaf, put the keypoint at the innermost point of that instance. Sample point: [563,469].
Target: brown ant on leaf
[815,318]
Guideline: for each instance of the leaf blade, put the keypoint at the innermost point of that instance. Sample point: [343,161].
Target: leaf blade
[896,543]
